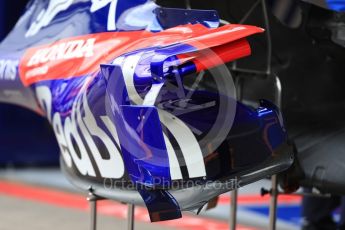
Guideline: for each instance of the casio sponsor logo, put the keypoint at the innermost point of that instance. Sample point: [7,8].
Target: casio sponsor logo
[76,137]
[8,70]
[63,51]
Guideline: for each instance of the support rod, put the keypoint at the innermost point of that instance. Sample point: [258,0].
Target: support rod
[130,216]
[93,211]
[233,209]
[273,203]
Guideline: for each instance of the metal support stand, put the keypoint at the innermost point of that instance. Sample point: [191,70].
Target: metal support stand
[274,178]
[267,72]
[130,216]
[234,193]
[92,198]
[233,209]
[93,218]
[273,203]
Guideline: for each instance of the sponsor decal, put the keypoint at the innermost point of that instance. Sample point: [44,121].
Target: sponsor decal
[72,57]
[82,55]
[63,51]
[76,137]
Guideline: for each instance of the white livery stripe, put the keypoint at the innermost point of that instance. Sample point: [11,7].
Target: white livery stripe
[175,171]
[188,143]
[128,69]
[111,128]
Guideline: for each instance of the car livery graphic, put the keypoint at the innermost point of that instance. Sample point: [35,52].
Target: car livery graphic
[141,103]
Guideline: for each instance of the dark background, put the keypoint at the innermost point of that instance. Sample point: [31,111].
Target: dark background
[26,139]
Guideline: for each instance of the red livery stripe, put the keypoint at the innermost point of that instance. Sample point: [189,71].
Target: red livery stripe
[82,55]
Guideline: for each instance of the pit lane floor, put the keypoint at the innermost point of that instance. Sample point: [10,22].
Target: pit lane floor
[19,209]
[19,214]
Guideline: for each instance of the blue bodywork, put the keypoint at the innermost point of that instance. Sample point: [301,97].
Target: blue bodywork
[338,5]
[105,133]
